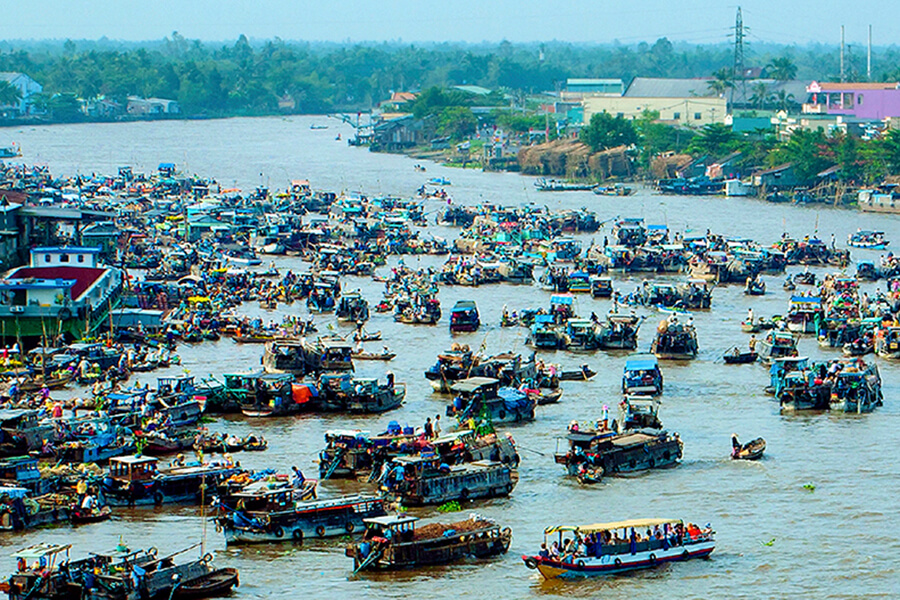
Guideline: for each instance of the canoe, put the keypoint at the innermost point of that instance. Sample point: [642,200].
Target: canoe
[547,397]
[214,583]
[373,336]
[740,359]
[751,450]
[372,355]
[582,374]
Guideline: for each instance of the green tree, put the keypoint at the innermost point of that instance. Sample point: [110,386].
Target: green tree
[722,80]
[9,94]
[808,151]
[783,100]
[655,138]
[605,131]
[760,95]
[782,69]
[65,107]
[457,122]
[714,139]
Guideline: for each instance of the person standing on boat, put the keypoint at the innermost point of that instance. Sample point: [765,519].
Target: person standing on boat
[436,426]
[752,343]
[428,428]
[750,316]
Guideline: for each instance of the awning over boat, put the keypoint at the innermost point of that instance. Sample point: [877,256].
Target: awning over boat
[598,527]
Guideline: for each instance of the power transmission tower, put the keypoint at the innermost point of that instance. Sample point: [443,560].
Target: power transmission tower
[737,71]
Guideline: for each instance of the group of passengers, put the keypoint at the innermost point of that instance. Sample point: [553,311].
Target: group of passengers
[592,544]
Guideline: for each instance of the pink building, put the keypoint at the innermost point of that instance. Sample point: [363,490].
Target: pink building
[866,101]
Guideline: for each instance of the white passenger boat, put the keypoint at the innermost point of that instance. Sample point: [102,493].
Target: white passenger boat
[605,548]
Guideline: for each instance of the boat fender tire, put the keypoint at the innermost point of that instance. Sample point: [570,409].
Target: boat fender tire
[158,498]
[502,415]
[685,555]
[618,562]
[320,531]
[580,563]
[153,551]
[350,527]
[464,494]
[531,562]
[279,532]
[207,558]
[297,534]
[652,463]
[653,559]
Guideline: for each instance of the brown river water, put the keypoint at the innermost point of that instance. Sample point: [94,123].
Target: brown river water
[776,537]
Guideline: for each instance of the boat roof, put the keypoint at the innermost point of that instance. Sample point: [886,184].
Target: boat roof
[790,359]
[641,363]
[561,299]
[133,460]
[464,304]
[389,520]
[41,550]
[472,383]
[598,527]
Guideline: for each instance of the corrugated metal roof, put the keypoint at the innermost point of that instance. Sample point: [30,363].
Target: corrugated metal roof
[658,87]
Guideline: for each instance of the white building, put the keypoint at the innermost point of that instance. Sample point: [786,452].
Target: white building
[27,86]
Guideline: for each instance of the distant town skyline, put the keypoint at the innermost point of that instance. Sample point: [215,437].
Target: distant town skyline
[693,21]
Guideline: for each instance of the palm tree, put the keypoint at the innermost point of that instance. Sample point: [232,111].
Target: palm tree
[760,95]
[9,94]
[782,69]
[783,100]
[721,81]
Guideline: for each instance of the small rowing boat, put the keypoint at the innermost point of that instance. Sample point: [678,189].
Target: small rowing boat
[365,355]
[749,451]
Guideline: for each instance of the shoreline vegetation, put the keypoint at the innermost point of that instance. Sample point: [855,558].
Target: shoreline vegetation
[469,105]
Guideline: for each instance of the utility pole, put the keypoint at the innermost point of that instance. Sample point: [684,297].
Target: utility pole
[842,54]
[737,70]
[869,57]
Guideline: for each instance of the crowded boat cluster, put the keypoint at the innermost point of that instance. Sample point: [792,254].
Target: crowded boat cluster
[168,260]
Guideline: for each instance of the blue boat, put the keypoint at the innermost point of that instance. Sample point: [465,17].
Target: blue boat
[642,376]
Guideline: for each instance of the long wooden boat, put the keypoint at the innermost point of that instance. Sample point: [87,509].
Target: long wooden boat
[621,546]
[752,450]
[215,583]
[395,542]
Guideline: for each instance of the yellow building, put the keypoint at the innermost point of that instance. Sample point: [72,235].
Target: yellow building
[687,112]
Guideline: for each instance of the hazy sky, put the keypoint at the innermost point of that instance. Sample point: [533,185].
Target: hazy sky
[696,21]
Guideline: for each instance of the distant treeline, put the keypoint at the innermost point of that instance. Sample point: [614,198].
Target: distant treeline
[249,78]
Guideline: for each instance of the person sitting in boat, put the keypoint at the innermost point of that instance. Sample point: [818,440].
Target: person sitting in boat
[298,477]
[735,445]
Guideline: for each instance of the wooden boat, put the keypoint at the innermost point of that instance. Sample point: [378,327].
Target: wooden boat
[582,374]
[735,357]
[78,515]
[364,355]
[618,547]
[750,451]
[215,583]
[394,542]
[546,396]
[422,481]
[367,336]
[52,383]
[271,516]
[253,338]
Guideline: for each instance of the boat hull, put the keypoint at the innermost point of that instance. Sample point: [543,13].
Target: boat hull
[611,564]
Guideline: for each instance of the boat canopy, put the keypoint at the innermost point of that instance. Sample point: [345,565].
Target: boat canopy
[41,550]
[598,527]
[561,299]
[641,363]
